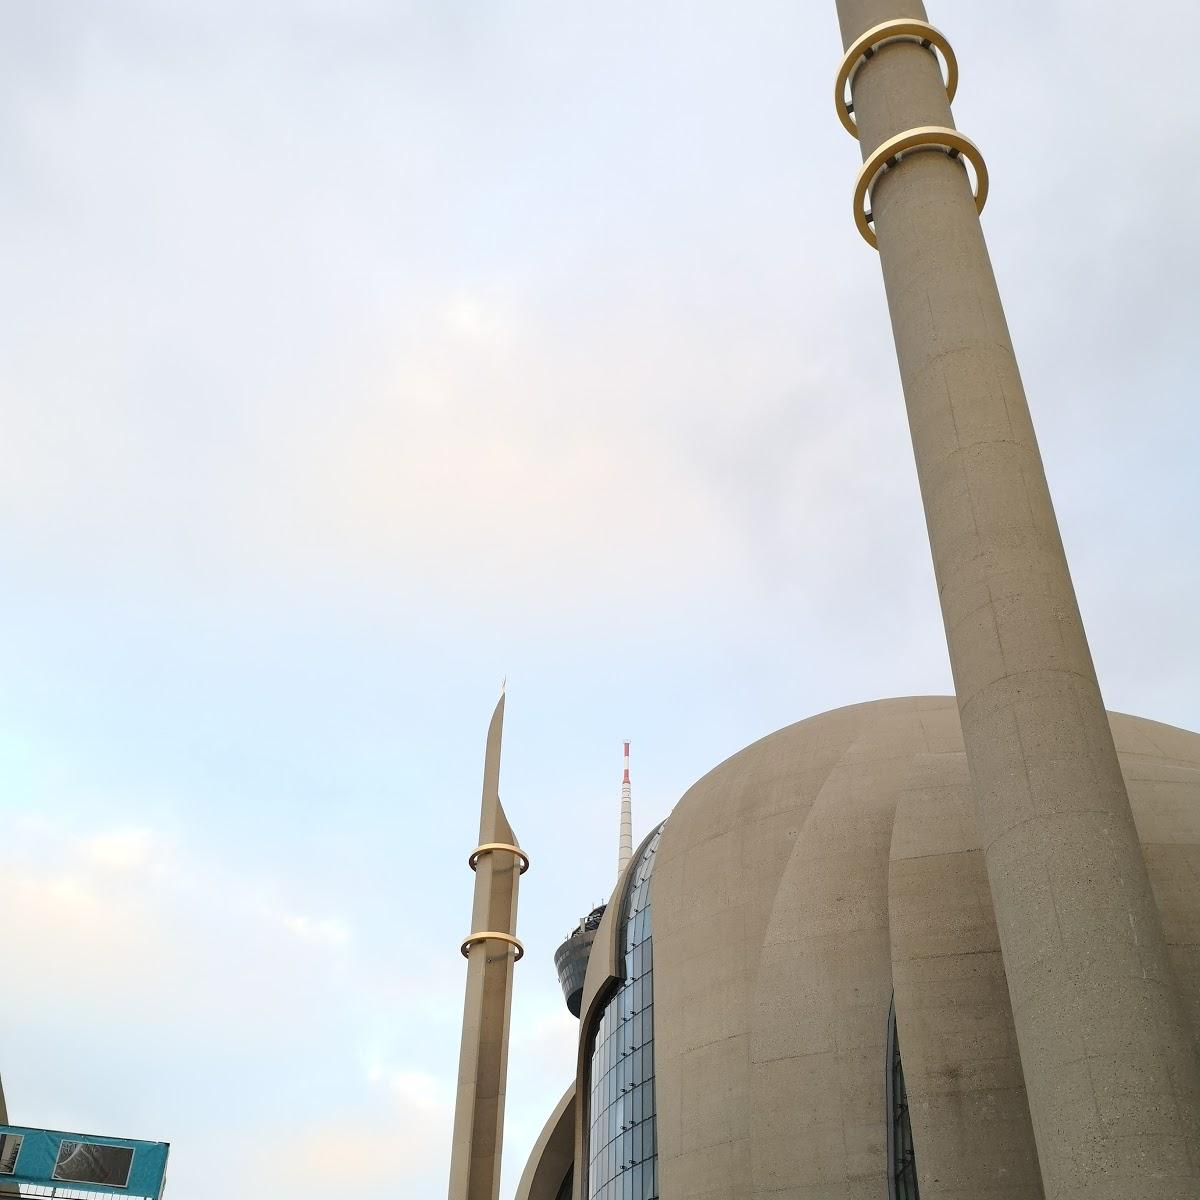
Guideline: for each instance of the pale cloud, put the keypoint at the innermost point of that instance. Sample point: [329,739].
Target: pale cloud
[130,908]
[195,956]
[418,1090]
[124,850]
[397,1146]
[473,320]
[359,1155]
[324,931]
[547,1041]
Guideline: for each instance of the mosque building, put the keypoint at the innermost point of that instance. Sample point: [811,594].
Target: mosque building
[934,947]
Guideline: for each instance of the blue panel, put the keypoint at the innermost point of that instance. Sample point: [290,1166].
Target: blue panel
[41,1148]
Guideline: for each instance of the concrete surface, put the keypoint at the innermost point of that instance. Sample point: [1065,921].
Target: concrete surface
[477,1141]
[1111,1072]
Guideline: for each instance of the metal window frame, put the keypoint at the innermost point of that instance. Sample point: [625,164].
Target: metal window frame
[634,901]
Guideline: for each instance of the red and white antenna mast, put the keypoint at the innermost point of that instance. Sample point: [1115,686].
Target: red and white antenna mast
[626,850]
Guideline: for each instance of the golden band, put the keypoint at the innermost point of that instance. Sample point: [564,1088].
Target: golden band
[890,31]
[926,137]
[492,937]
[490,847]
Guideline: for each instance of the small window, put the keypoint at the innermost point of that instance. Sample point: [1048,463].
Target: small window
[902,1159]
[10,1151]
[90,1162]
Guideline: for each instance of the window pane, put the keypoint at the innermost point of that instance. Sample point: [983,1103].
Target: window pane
[902,1165]
[90,1162]
[10,1149]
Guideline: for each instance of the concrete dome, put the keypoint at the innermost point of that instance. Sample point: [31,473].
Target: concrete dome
[796,888]
[801,881]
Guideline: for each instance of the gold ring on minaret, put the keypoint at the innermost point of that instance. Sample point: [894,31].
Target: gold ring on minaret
[492,936]
[865,48]
[491,848]
[894,150]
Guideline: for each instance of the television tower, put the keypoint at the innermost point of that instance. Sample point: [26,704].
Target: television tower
[571,958]
[625,853]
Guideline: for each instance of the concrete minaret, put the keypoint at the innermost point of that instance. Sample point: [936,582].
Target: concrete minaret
[625,852]
[491,950]
[1112,1077]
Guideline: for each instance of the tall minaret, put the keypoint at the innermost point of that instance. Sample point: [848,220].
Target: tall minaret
[625,853]
[1110,1071]
[490,950]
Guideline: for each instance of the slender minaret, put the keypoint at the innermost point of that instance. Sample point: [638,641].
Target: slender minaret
[491,951]
[625,853]
[1111,1075]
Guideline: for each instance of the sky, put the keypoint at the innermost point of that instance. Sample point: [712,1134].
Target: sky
[357,354]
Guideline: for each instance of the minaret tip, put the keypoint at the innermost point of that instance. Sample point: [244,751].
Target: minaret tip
[493,824]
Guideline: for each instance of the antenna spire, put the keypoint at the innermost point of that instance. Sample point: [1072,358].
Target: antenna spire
[625,852]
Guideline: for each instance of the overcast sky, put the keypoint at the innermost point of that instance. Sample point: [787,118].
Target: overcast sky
[355,354]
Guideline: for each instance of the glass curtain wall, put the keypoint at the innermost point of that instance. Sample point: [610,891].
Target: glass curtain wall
[622,1151]
[902,1161]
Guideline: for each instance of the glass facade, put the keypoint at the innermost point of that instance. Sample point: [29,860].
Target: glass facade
[902,1161]
[622,1157]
